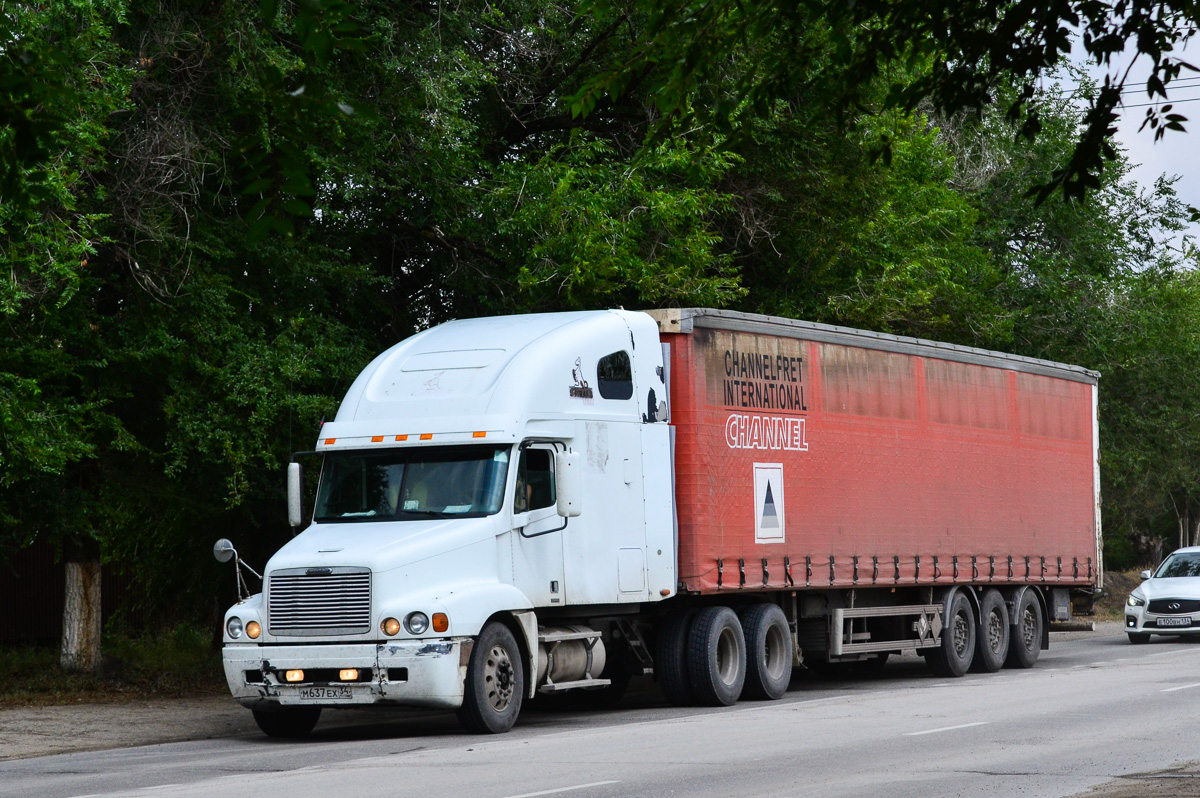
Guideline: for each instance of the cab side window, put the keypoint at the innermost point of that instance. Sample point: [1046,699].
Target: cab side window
[535,481]
[614,376]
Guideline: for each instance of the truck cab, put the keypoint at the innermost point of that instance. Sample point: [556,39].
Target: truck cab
[486,486]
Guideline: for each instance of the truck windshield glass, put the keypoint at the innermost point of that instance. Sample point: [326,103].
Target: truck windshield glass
[412,484]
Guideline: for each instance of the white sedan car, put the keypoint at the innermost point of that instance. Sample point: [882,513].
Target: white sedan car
[1168,601]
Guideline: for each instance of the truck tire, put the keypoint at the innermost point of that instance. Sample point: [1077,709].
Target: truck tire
[717,657]
[993,636]
[670,662]
[495,684]
[768,652]
[287,722]
[1026,634]
[953,657]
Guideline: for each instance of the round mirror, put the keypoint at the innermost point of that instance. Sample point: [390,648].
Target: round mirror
[223,550]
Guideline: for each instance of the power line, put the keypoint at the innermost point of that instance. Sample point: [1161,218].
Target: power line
[1163,102]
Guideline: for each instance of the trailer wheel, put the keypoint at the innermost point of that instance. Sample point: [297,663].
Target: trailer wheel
[1137,638]
[768,652]
[1026,642]
[717,657]
[495,682]
[957,650]
[287,722]
[992,638]
[670,662]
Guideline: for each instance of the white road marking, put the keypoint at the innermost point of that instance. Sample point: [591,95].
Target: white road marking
[947,728]
[564,789]
[1184,687]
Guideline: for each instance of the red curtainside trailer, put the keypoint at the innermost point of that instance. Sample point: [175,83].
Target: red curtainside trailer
[874,479]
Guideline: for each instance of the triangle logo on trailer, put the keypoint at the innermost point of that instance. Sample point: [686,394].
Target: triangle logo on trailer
[768,503]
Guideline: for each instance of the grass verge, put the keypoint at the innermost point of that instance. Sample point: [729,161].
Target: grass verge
[179,662]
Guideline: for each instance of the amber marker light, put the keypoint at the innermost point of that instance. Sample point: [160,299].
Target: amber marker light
[426,436]
[479,434]
[253,630]
[294,676]
[401,437]
[376,439]
[440,622]
[390,627]
[348,675]
[330,441]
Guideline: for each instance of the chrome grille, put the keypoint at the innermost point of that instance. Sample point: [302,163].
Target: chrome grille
[319,601]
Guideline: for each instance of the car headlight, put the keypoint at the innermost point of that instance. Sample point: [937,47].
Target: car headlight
[233,627]
[1136,601]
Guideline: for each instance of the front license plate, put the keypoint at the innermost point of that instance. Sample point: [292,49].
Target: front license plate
[1186,621]
[325,694]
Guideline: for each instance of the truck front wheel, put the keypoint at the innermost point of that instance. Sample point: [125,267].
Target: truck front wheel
[287,722]
[717,657]
[495,682]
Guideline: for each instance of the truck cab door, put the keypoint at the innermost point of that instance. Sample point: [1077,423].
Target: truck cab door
[537,528]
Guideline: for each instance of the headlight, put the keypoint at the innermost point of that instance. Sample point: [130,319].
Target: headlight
[233,627]
[416,623]
[390,627]
[253,630]
[1136,601]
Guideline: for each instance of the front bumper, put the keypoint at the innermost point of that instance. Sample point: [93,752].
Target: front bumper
[1141,620]
[419,673]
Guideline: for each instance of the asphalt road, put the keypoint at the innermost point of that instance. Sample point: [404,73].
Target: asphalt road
[1092,709]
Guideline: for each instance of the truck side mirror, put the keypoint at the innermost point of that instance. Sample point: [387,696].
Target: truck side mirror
[568,479]
[295,482]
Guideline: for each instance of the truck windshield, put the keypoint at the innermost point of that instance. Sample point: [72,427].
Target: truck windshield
[412,484]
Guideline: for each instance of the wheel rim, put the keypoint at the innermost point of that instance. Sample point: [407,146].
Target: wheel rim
[995,630]
[961,634]
[1029,627]
[499,678]
[774,652]
[727,656]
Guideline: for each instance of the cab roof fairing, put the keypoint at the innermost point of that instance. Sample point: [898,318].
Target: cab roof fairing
[493,374]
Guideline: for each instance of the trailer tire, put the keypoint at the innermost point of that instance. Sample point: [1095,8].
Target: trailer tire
[953,657]
[768,652]
[1026,633]
[1137,638]
[287,722]
[993,634]
[495,684]
[717,657]
[670,662]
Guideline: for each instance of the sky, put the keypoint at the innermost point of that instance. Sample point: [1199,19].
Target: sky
[1175,154]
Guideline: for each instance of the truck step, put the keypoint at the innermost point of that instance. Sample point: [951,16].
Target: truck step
[558,687]
[560,637]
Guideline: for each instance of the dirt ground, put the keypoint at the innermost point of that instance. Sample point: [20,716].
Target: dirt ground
[41,731]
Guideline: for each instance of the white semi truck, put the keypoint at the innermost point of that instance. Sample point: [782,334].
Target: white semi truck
[534,504]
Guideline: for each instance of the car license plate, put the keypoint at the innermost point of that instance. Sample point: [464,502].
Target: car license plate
[325,694]
[1185,621]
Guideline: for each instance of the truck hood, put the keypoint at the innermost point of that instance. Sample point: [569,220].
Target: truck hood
[381,546]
